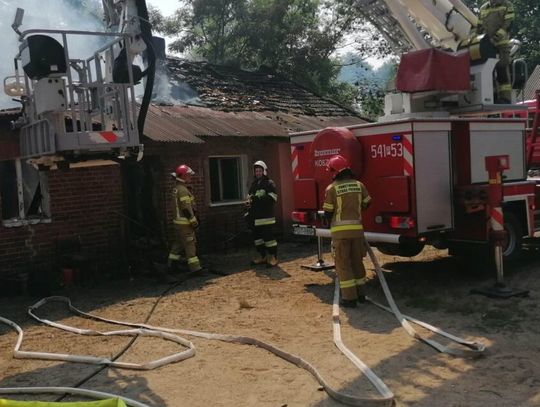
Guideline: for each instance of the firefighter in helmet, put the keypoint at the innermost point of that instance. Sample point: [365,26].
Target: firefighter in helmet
[262,198]
[344,200]
[494,21]
[185,221]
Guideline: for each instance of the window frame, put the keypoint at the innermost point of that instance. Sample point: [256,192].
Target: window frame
[243,172]
[23,218]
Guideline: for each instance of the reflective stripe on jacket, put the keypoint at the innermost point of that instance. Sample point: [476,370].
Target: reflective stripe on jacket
[345,199]
[495,20]
[262,197]
[184,203]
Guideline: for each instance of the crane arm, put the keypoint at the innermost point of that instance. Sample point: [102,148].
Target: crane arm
[420,24]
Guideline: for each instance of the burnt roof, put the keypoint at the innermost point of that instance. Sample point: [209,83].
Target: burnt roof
[10,113]
[235,90]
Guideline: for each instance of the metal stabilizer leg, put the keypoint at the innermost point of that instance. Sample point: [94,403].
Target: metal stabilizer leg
[320,265]
[500,290]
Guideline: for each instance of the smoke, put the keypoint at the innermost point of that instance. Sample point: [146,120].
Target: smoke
[170,90]
[50,14]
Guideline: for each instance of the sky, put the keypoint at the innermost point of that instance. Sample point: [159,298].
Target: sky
[167,7]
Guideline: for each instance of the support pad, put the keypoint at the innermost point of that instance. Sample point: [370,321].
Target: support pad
[500,291]
[320,265]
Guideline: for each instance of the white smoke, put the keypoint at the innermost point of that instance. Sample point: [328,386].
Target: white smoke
[48,14]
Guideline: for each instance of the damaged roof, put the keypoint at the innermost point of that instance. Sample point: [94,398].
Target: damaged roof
[196,99]
[232,89]
[10,113]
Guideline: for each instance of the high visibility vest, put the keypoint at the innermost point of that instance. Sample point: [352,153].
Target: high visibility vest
[183,201]
[345,199]
[495,21]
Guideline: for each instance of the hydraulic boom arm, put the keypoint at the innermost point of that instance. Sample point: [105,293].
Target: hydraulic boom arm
[420,24]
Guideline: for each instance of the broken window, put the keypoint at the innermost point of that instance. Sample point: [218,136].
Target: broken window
[227,177]
[24,193]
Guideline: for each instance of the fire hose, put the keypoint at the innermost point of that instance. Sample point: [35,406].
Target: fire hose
[474,349]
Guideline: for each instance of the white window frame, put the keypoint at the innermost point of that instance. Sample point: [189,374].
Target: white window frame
[243,180]
[23,219]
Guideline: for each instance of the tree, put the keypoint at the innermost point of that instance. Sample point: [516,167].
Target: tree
[297,38]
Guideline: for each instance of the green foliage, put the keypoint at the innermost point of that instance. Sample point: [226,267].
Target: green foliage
[296,38]
[299,38]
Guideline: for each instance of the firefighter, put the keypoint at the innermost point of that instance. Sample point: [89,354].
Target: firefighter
[185,221]
[262,198]
[494,21]
[345,198]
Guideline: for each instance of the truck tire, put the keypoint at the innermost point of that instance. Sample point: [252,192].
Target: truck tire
[512,247]
[409,249]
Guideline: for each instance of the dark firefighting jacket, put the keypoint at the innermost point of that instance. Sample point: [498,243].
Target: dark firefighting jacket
[262,198]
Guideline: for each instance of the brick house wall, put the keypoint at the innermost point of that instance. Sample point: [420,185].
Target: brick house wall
[220,222]
[85,202]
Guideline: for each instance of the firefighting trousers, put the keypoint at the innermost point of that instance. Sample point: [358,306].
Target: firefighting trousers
[264,240]
[504,80]
[348,255]
[185,239]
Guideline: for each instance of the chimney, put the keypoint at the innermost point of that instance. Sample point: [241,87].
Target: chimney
[159,47]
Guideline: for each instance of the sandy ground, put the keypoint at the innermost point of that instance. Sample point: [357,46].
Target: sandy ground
[291,308]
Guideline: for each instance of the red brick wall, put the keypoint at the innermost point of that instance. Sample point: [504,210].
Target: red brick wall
[217,222]
[9,141]
[83,203]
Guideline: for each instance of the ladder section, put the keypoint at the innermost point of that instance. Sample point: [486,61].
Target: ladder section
[378,14]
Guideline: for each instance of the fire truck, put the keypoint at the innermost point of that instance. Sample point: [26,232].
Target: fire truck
[424,161]
[82,108]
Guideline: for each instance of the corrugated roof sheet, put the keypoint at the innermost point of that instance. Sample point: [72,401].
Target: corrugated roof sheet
[11,113]
[188,123]
[162,126]
[532,85]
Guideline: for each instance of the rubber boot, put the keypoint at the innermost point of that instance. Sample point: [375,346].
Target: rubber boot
[271,260]
[258,259]
[347,303]
[361,289]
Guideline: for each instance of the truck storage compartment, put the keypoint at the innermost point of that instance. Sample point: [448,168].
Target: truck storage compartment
[391,194]
[305,194]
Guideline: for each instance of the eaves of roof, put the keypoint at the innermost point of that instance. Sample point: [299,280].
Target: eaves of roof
[186,124]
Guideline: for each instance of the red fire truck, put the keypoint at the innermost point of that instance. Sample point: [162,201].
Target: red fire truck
[424,162]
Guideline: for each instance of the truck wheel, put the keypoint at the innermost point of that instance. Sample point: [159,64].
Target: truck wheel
[513,243]
[408,249]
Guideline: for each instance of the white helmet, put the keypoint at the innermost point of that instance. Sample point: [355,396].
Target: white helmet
[261,164]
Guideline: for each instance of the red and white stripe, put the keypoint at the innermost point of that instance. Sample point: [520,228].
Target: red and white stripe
[294,163]
[408,155]
[100,137]
[497,219]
